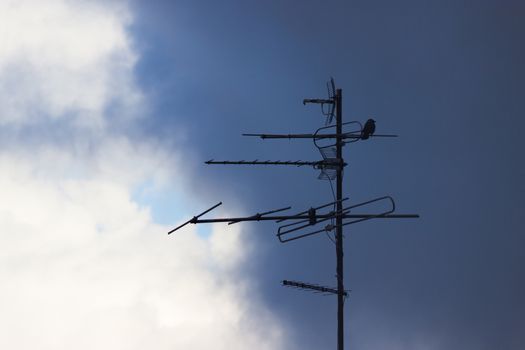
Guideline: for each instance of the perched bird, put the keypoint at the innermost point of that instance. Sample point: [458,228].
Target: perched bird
[368,129]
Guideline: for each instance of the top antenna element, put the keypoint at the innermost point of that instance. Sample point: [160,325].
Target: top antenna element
[331,101]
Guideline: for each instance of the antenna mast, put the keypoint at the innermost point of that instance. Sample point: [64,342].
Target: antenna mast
[311,221]
[339,223]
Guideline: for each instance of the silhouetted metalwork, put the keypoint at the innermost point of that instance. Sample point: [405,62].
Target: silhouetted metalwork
[316,164]
[328,166]
[314,136]
[293,231]
[331,102]
[326,218]
[310,216]
[312,287]
[195,218]
[260,215]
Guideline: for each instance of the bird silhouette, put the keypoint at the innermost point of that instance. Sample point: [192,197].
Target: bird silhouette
[368,129]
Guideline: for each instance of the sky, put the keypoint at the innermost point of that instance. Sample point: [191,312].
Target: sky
[108,110]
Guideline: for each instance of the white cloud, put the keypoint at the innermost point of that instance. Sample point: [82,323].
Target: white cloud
[83,265]
[64,59]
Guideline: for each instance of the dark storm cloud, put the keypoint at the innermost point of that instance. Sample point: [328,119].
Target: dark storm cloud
[447,76]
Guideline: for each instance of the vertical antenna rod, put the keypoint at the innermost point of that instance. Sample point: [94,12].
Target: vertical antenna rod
[339,223]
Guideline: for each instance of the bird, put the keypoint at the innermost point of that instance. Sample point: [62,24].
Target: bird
[368,129]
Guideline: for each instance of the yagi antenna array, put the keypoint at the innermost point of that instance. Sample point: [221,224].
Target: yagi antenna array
[327,218]
[305,219]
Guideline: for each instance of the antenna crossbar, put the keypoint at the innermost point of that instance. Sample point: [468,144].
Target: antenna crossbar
[316,136]
[312,287]
[320,164]
[302,217]
[263,162]
[260,215]
[318,101]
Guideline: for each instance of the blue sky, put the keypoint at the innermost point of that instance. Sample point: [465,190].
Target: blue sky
[174,83]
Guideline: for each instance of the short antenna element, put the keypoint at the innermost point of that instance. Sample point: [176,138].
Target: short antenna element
[328,111]
[329,218]
[194,219]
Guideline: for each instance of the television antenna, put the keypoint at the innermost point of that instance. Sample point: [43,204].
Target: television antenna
[329,217]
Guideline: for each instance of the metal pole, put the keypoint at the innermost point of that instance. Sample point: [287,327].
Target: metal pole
[339,223]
